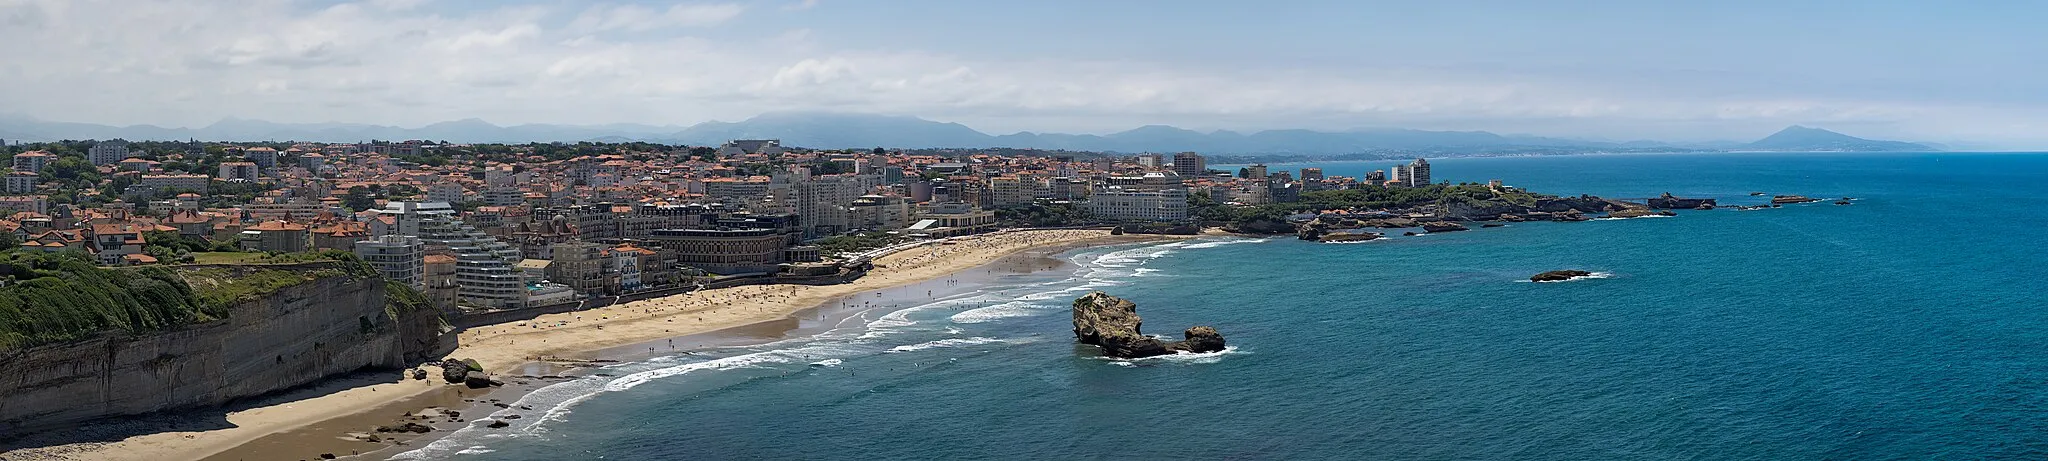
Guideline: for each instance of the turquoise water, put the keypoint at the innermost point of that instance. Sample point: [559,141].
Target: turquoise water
[1910,325]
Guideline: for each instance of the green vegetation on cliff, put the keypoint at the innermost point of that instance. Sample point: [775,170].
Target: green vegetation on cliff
[52,297]
[55,297]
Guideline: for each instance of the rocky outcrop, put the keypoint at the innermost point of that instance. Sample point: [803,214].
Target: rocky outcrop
[1340,237]
[1790,199]
[1582,204]
[1559,276]
[1638,213]
[1198,340]
[1441,226]
[1262,227]
[1113,324]
[1669,202]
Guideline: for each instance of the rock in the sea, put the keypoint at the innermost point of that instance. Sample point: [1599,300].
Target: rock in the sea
[496,424]
[1667,201]
[1785,199]
[1559,276]
[1338,237]
[1442,226]
[1113,324]
[1638,213]
[1198,340]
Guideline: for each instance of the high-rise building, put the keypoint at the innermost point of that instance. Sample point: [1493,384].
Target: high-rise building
[399,258]
[820,202]
[484,272]
[1189,165]
[1417,173]
[33,161]
[1256,171]
[1311,174]
[107,152]
[1150,160]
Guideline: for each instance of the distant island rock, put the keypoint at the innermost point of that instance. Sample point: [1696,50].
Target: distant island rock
[1803,139]
[1791,199]
[1560,275]
[1113,324]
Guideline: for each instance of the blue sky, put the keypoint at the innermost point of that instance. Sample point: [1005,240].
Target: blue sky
[1935,71]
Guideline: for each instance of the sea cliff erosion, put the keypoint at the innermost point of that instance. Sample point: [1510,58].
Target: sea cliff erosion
[252,330]
[1113,323]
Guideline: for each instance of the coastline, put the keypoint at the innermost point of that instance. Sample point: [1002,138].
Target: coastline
[509,350]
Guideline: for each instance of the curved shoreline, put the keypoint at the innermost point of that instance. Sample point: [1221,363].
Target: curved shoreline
[573,334]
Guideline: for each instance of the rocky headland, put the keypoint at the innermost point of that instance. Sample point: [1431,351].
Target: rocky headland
[1113,324]
[1559,275]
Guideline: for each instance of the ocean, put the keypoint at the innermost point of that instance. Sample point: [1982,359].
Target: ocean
[1909,325]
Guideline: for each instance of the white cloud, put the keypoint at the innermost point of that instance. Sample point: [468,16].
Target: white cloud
[411,63]
[637,18]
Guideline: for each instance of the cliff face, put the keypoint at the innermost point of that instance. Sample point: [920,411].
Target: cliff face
[295,336]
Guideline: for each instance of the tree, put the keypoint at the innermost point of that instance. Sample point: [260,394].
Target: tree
[359,199]
[70,168]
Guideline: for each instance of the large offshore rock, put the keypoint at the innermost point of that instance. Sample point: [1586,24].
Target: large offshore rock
[1113,324]
[1559,275]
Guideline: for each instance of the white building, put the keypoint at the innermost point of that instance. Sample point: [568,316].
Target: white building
[1120,203]
[160,183]
[230,171]
[484,267]
[21,182]
[399,258]
[820,202]
[448,191]
[33,161]
[107,152]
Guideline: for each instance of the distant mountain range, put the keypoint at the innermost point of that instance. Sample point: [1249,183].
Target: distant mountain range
[841,130]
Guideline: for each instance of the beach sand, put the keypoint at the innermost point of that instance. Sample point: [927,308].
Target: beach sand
[567,336]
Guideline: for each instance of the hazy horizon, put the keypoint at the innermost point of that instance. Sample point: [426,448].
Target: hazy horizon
[1730,71]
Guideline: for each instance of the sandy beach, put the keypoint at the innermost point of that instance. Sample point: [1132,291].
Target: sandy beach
[567,336]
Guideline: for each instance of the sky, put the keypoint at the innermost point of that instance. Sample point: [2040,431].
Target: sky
[1964,71]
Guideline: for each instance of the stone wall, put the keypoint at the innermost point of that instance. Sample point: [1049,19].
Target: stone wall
[297,336]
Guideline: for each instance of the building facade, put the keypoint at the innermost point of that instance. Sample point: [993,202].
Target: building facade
[399,258]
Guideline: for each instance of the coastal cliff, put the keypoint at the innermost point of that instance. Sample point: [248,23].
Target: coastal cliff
[309,322]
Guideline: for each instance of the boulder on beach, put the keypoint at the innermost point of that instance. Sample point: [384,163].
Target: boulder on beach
[1560,275]
[1113,324]
[412,427]
[479,380]
[456,371]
